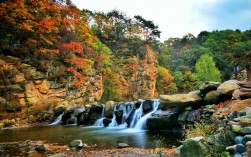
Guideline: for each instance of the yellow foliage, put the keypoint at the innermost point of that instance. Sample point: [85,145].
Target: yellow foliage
[199,129]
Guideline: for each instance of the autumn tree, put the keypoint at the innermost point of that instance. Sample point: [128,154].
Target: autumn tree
[164,83]
[112,86]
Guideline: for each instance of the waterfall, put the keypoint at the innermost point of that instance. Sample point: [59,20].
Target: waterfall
[57,120]
[136,116]
[99,122]
[132,117]
[114,122]
[141,123]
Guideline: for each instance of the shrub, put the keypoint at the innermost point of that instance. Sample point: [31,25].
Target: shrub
[199,129]
[7,123]
[12,108]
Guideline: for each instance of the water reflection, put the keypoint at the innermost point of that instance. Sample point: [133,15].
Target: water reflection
[103,137]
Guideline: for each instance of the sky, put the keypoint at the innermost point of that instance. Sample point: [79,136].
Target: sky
[176,18]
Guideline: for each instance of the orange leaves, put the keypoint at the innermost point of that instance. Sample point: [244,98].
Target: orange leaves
[72,46]
[27,27]
[78,77]
[50,51]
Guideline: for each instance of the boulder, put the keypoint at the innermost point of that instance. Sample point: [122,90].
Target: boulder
[212,97]
[95,113]
[109,109]
[106,122]
[182,100]
[245,130]
[76,144]
[162,120]
[208,86]
[248,151]
[240,148]
[183,117]
[245,139]
[238,139]
[245,121]
[228,87]
[236,128]
[194,147]
[40,148]
[147,106]
[119,116]
[245,84]
[123,145]
[231,148]
[236,95]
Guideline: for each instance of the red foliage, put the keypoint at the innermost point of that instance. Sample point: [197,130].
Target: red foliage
[72,46]
[222,104]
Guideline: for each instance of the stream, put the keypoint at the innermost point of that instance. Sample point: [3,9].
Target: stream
[102,137]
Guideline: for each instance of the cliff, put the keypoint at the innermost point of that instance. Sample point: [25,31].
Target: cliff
[32,93]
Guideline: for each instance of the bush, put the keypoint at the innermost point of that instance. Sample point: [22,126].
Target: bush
[199,129]
[7,123]
[12,108]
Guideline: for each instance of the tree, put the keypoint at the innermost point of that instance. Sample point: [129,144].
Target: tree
[206,70]
[164,82]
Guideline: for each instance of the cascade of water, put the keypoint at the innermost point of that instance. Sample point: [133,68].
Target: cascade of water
[114,122]
[126,108]
[141,123]
[99,122]
[57,120]
[129,109]
[137,115]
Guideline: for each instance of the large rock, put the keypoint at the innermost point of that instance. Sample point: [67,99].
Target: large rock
[162,120]
[248,145]
[109,109]
[245,139]
[208,86]
[194,147]
[76,144]
[212,97]
[245,130]
[245,121]
[228,87]
[182,100]
[147,106]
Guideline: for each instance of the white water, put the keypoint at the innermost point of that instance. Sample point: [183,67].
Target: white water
[57,120]
[137,121]
[141,123]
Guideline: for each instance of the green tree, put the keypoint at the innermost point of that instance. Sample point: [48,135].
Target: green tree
[206,70]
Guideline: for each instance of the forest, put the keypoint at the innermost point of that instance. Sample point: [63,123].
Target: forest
[57,33]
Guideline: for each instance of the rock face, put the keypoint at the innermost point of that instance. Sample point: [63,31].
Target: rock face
[28,87]
[182,100]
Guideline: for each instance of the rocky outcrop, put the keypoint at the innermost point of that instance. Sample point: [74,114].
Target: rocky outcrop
[181,100]
[22,85]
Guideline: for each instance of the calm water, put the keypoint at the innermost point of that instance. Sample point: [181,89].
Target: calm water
[102,137]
